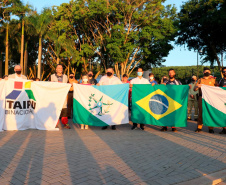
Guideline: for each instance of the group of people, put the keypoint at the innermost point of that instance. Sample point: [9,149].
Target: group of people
[194,96]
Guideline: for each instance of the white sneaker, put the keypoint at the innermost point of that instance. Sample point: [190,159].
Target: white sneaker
[87,127]
[82,126]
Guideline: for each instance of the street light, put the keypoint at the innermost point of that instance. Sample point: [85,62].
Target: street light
[198,51]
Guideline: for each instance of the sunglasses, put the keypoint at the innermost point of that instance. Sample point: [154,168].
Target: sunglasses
[224,71]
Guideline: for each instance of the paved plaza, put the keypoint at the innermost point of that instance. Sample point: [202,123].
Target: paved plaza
[123,156]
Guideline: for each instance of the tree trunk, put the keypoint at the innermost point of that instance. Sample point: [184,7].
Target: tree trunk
[1,66]
[39,57]
[58,60]
[7,51]
[22,49]
[25,60]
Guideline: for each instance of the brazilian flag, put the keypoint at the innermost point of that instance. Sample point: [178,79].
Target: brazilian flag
[162,105]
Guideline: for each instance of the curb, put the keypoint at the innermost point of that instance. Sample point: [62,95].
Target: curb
[209,179]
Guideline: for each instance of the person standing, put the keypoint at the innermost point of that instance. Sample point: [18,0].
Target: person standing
[138,80]
[5,77]
[71,80]
[222,83]
[125,79]
[192,98]
[61,78]
[172,81]
[85,81]
[109,79]
[152,79]
[206,80]
[17,75]
[92,80]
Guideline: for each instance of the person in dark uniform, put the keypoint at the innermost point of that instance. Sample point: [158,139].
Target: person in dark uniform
[206,80]
[171,81]
[222,83]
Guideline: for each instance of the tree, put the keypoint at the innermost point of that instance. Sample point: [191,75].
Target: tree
[120,34]
[202,25]
[132,32]
[40,24]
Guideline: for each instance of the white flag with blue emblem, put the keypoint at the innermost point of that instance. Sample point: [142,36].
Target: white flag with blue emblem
[100,105]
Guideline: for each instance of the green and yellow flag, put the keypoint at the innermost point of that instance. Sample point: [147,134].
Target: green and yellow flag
[162,105]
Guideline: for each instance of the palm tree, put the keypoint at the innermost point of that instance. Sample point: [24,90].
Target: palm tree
[40,24]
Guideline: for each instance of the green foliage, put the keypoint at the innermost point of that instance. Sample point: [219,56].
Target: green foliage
[184,73]
[202,25]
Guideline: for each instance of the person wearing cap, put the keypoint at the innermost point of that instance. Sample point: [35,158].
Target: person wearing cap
[192,98]
[138,80]
[152,79]
[205,80]
[92,80]
[17,75]
[71,80]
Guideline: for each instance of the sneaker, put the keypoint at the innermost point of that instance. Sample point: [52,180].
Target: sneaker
[113,127]
[142,128]
[211,131]
[223,131]
[104,128]
[67,126]
[87,127]
[163,129]
[198,130]
[82,127]
[174,130]
[133,128]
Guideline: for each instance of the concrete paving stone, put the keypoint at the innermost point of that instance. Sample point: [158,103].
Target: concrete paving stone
[118,157]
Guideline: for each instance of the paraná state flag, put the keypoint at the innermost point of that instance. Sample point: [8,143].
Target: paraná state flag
[162,105]
[100,105]
[214,106]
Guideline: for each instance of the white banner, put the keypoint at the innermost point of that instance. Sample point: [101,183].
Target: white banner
[2,103]
[32,105]
[50,97]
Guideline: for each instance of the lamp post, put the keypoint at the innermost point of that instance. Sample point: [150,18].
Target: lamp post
[198,51]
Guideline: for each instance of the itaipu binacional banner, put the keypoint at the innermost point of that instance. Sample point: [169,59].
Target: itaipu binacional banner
[31,105]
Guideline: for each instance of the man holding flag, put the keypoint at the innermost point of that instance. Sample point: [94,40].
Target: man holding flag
[61,78]
[206,80]
[109,79]
[171,81]
[138,80]
[222,83]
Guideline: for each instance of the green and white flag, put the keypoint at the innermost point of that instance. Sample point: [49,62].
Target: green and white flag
[100,105]
[214,106]
[162,105]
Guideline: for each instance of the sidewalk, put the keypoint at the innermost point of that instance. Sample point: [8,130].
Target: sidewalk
[123,156]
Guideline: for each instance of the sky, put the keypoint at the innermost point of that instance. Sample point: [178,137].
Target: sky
[179,56]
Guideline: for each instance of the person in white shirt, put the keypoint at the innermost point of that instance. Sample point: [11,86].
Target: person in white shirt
[109,79]
[17,74]
[138,80]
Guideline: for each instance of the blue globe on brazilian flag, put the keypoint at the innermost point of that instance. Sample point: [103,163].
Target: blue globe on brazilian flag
[162,105]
